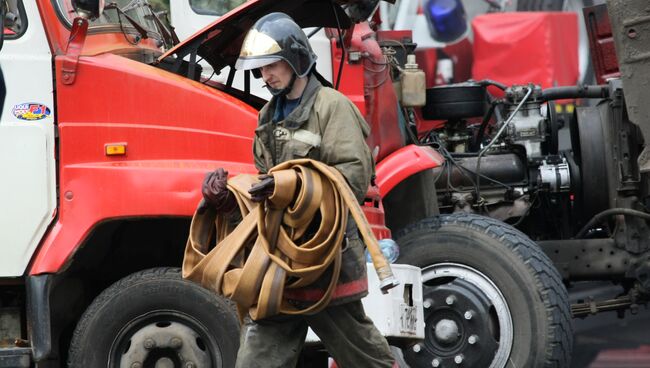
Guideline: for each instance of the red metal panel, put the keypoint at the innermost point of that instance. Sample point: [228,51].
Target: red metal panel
[175,130]
[601,43]
[523,47]
[403,163]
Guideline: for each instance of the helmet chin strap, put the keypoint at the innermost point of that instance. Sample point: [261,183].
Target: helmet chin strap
[284,91]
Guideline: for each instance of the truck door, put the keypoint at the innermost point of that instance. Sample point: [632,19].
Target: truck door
[27,152]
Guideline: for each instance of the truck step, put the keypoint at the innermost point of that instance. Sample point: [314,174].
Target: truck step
[15,357]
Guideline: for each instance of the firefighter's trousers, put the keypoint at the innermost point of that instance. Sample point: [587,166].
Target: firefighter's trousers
[347,333]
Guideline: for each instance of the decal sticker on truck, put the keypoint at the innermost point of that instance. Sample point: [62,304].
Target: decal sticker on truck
[31,111]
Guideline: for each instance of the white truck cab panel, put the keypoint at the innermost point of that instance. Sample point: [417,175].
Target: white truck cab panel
[27,141]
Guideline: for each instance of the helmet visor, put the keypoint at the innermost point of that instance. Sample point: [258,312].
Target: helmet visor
[248,63]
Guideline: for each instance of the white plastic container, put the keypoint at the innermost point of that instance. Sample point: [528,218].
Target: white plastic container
[398,314]
[413,83]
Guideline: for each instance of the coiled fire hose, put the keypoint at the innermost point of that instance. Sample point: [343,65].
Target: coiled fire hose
[267,252]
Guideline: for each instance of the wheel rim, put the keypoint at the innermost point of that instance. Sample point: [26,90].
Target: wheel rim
[468,322]
[164,339]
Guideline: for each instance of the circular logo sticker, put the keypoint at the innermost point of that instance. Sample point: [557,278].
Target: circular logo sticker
[31,111]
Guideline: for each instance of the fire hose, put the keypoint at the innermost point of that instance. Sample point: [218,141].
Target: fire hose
[269,251]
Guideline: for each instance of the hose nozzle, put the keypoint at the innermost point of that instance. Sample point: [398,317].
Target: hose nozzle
[388,283]
[387,280]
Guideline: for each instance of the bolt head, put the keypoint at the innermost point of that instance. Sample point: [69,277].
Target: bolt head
[435,362]
[175,342]
[472,339]
[190,365]
[427,303]
[459,358]
[149,344]
[136,365]
[417,348]
[468,315]
[450,300]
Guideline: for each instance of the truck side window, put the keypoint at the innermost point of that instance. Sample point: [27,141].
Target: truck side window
[214,7]
[15,19]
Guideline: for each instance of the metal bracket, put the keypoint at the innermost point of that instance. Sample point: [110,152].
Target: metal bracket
[75,45]
[631,31]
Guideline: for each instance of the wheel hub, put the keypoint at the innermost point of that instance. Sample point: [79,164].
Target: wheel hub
[446,331]
[467,320]
[165,345]
[164,363]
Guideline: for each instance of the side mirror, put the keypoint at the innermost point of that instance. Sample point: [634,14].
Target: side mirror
[89,9]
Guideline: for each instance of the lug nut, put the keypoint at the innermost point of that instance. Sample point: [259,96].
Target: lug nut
[435,362]
[450,300]
[472,339]
[136,365]
[468,315]
[149,344]
[417,348]
[427,303]
[175,343]
[190,365]
[459,358]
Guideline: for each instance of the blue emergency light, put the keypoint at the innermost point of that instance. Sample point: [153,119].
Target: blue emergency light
[446,18]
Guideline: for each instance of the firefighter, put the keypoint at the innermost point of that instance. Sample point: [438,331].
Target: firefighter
[306,118]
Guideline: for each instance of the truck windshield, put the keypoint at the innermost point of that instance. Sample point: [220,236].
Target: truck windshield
[136,9]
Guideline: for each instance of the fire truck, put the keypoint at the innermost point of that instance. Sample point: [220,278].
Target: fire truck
[110,124]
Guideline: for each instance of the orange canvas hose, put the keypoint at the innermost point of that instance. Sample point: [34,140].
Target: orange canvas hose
[268,252]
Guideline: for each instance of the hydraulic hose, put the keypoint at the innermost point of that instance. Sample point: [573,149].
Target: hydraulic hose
[604,214]
[572,92]
[486,120]
[490,82]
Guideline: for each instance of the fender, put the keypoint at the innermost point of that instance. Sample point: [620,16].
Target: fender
[403,163]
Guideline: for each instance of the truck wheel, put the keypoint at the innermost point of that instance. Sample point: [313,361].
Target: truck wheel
[491,297]
[540,5]
[154,318]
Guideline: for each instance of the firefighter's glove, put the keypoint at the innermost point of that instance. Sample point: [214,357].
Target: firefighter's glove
[216,193]
[262,190]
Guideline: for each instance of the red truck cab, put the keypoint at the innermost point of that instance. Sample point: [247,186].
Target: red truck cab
[104,145]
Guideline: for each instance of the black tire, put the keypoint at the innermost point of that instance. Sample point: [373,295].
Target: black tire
[468,257]
[137,319]
[540,5]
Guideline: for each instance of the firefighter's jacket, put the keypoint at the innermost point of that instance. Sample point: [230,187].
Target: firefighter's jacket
[325,126]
